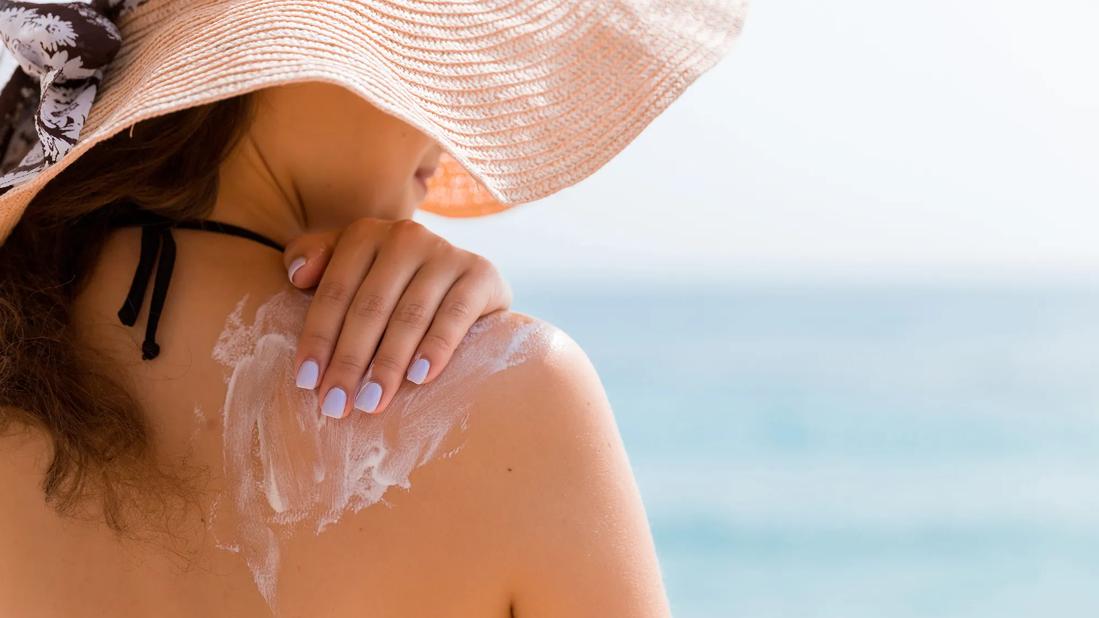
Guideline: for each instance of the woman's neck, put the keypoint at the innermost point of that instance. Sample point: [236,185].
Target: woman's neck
[256,195]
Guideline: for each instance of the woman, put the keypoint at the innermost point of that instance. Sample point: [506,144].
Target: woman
[230,470]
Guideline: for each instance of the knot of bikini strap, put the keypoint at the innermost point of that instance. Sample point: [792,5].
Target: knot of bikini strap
[155,238]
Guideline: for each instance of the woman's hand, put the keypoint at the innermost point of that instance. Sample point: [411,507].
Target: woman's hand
[392,294]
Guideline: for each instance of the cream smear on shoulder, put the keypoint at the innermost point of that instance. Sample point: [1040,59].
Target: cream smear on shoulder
[289,468]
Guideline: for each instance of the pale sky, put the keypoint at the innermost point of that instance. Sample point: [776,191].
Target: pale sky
[852,139]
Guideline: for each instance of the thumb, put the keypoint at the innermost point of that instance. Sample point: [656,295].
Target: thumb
[307,256]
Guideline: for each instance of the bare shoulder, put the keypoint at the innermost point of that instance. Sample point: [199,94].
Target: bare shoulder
[526,351]
[517,382]
[543,466]
[535,396]
[542,410]
[545,394]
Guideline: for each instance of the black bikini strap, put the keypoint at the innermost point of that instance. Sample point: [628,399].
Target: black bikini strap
[150,243]
[210,225]
[156,237]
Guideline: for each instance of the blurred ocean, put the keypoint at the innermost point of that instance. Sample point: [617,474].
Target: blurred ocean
[856,451]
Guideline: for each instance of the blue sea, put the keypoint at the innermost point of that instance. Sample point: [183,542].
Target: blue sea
[856,451]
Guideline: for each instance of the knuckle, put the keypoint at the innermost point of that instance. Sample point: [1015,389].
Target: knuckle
[458,308]
[317,340]
[349,363]
[452,251]
[440,244]
[437,341]
[411,314]
[387,362]
[335,292]
[406,229]
[362,228]
[370,307]
[482,264]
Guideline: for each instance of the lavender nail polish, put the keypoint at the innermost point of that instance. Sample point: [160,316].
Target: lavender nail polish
[334,402]
[307,374]
[369,396]
[418,371]
[294,266]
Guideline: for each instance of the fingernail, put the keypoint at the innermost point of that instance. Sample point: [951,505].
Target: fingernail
[369,396]
[307,374]
[333,402]
[418,371]
[294,266]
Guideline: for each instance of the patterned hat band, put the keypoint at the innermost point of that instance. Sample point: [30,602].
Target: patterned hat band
[53,64]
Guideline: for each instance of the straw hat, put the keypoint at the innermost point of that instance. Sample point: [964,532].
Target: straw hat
[526,96]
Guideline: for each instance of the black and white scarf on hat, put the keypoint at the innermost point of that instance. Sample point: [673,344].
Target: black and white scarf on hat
[51,65]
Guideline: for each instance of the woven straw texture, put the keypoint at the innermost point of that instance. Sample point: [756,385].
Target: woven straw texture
[526,96]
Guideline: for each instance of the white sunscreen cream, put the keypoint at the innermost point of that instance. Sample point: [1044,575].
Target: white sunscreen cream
[287,467]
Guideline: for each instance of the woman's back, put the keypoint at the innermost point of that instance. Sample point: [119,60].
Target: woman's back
[526,505]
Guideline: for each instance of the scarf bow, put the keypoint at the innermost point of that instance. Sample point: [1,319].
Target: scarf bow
[64,47]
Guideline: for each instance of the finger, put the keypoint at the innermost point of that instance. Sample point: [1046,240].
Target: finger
[349,264]
[501,296]
[364,323]
[409,323]
[306,257]
[465,302]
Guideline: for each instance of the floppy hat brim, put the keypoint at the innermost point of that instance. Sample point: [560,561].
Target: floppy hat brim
[525,96]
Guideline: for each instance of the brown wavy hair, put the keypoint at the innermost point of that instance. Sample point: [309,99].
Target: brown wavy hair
[100,440]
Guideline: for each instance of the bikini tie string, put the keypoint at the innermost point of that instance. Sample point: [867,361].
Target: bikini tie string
[156,237]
